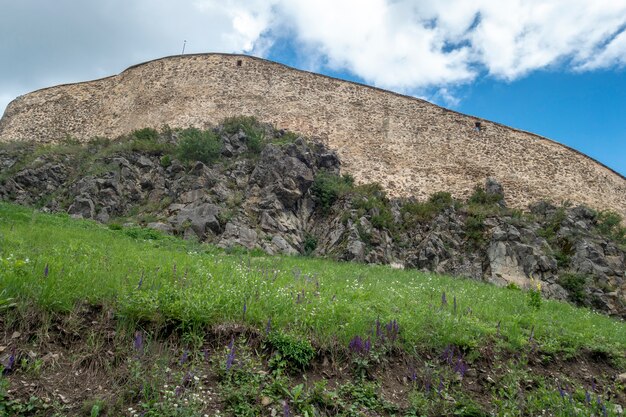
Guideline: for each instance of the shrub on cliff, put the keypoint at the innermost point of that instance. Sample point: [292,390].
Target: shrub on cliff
[198,145]
[421,211]
[255,133]
[609,224]
[327,188]
[147,134]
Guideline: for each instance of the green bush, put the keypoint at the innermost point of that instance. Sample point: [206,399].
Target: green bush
[474,227]
[143,233]
[255,133]
[574,284]
[198,145]
[146,134]
[296,352]
[310,244]
[327,188]
[232,125]
[553,224]
[414,212]
[482,197]
[609,224]
[166,161]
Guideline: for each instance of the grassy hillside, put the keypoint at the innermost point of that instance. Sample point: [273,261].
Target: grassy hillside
[248,327]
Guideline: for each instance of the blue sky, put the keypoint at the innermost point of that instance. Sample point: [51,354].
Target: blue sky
[552,67]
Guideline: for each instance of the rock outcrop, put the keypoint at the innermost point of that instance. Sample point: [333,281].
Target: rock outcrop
[271,200]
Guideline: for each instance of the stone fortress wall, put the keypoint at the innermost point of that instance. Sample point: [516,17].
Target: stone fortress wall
[410,146]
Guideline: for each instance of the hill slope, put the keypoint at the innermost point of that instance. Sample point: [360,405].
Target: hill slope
[275,191]
[124,322]
[409,146]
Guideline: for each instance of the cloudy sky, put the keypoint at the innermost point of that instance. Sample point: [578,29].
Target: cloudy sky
[554,67]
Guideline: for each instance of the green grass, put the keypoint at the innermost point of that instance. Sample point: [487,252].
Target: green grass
[193,284]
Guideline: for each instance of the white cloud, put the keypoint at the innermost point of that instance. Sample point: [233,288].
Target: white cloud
[407,45]
[411,46]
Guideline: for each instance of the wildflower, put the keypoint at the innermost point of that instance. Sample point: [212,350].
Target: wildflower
[444,300]
[587,398]
[268,326]
[138,341]
[10,363]
[448,354]
[286,412]
[245,308]
[460,367]
[427,383]
[231,355]
[46,270]
[368,345]
[140,281]
[561,392]
[356,345]
[183,359]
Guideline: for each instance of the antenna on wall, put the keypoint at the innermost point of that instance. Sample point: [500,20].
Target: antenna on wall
[184,43]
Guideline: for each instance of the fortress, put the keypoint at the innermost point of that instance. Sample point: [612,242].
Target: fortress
[410,146]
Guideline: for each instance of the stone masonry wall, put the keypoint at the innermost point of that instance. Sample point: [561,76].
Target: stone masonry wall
[410,146]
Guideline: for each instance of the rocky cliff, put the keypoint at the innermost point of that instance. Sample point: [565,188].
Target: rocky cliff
[409,146]
[271,190]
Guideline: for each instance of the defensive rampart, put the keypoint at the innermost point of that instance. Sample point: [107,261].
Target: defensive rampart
[410,146]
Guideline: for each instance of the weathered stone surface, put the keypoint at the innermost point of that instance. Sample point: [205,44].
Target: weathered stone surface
[83,208]
[265,202]
[395,140]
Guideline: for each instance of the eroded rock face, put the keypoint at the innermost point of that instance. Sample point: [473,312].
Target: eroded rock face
[265,202]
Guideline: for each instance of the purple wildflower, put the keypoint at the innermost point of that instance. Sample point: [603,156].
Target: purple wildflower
[46,270]
[286,412]
[448,354]
[461,367]
[245,308]
[412,374]
[440,387]
[138,341]
[587,398]
[392,329]
[604,412]
[367,345]
[428,383]
[379,332]
[10,363]
[140,281]
[206,354]
[268,326]
[183,359]
[444,300]
[356,345]
[561,392]
[231,355]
